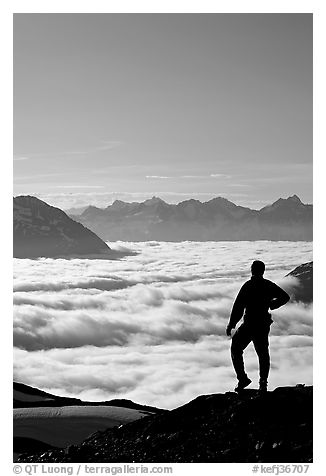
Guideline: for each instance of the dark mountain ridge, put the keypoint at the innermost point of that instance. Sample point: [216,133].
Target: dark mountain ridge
[39,398]
[191,220]
[25,396]
[42,230]
[219,428]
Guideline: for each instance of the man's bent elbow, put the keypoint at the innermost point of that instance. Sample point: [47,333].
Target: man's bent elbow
[276,303]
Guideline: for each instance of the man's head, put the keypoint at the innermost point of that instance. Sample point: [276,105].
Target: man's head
[257,268]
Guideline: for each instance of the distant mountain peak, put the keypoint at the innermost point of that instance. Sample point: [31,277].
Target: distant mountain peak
[292,201]
[294,198]
[193,201]
[219,199]
[117,203]
[154,201]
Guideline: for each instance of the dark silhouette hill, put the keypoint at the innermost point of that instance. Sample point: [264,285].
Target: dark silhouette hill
[43,421]
[304,275]
[247,427]
[25,396]
[40,230]
[216,220]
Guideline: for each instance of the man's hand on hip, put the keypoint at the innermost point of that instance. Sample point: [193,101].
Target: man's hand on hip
[228,330]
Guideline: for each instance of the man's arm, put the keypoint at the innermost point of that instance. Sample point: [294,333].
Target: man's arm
[237,310]
[280,297]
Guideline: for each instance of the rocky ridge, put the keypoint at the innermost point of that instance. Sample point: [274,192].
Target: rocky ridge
[25,396]
[40,230]
[219,428]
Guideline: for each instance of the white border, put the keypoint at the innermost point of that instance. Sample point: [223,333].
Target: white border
[134,6]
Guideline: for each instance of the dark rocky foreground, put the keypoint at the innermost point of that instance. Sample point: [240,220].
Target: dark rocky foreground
[222,428]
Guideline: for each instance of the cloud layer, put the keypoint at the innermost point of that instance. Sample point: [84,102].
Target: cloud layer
[151,327]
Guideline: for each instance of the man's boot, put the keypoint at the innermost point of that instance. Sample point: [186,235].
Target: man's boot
[242,383]
[263,385]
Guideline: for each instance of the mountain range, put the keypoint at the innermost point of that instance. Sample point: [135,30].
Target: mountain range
[191,220]
[40,230]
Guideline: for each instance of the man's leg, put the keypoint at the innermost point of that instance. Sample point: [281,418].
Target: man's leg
[240,341]
[261,344]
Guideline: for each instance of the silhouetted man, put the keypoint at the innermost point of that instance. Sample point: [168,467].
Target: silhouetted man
[256,297]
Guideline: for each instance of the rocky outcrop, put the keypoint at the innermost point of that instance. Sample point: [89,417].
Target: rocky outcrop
[220,428]
[40,230]
[304,290]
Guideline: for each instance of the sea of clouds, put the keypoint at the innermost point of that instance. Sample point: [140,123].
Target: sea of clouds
[151,327]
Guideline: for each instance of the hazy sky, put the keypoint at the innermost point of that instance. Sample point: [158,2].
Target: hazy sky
[178,105]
